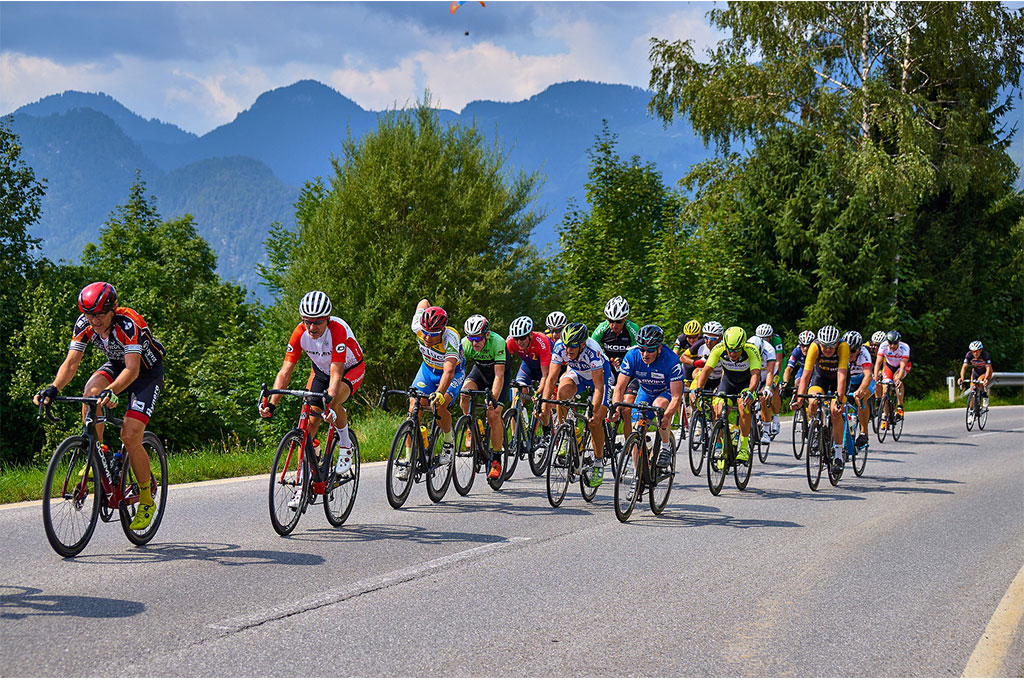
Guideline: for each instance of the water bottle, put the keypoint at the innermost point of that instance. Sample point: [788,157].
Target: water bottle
[115,464]
[423,434]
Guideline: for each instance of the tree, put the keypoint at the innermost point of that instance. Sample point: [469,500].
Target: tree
[414,209]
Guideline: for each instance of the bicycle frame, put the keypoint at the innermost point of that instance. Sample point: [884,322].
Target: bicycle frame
[418,462]
[318,465]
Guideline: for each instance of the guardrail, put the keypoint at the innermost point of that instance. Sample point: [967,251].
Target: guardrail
[1001,378]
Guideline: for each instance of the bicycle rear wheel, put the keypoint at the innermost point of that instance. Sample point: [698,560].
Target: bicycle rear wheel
[401,463]
[970,411]
[285,479]
[897,427]
[559,465]
[516,437]
[439,475]
[799,432]
[815,453]
[982,414]
[538,454]
[661,478]
[717,446]
[681,428]
[874,412]
[158,488]
[589,462]
[627,484]
[70,497]
[885,418]
[610,435]
[340,493]
[698,443]
[465,456]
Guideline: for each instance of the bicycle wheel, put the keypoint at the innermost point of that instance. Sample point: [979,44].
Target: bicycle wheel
[559,465]
[515,440]
[401,463]
[860,459]
[680,429]
[762,448]
[741,469]
[340,493]
[439,475]
[717,446]
[799,432]
[465,456]
[970,411]
[285,480]
[610,435]
[661,478]
[71,505]
[815,453]
[538,454]
[589,462]
[698,442]
[885,418]
[982,415]
[874,413]
[158,488]
[627,484]
[507,457]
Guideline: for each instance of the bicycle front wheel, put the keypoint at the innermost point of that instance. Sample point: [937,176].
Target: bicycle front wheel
[885,418]
[401,463]
[815,453]
[627,484]
[538,454]
[860,460]
[874,413]
[982,414]
[718,444]
[698,442]
[439,474]
[70,500]
[157,461]
[559,465]
[287,487]
[897,427]
[970,411]
[340,493]
[465,456]
[661,478]
[799,432]
[741,468]
[516,438]
[762,448]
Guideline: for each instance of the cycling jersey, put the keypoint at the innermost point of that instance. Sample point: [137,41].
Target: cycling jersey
[129,334]
[861,360]
[537,352]
[692,350]
[750,359]
[588,364]
[978,366]
[827,367]
[656,377]
[704,352]
[797,359]
[337,344]
[492,354]
[893,357]
[767,351]
[449,348]
[615,345]
[780,351]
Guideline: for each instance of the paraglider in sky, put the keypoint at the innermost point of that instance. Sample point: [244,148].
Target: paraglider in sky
[458,3]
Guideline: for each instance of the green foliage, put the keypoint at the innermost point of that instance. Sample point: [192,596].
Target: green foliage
[415,209]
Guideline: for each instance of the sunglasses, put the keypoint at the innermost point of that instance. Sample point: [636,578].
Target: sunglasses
[474,338]
[431,335]
[648,350]
[314,322]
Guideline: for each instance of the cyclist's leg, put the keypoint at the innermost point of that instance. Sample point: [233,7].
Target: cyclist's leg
[469,384]
[142,396]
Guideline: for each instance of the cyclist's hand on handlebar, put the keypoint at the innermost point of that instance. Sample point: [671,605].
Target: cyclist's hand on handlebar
[747,394]
[45,395]
[797,403]
[437,398]
[107,398]
[767,392]
[266,408]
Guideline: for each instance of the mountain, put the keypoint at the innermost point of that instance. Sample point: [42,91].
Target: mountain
[240,177]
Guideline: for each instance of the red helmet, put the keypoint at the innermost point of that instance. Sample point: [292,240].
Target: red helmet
[433,319]
[97,298]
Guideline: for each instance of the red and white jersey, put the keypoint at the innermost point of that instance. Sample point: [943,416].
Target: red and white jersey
[338,343]
[893,357]
[862,360]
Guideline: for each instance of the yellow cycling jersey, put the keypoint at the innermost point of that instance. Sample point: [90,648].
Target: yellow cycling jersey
[750,359]
[827,366]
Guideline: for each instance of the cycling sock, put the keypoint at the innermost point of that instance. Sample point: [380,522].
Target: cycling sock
[343,438]
[449,438]
[146,495]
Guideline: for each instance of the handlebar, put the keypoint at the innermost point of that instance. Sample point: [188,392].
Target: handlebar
[411,393]
[45,406]
[641,406]
[473,394]
[301,394]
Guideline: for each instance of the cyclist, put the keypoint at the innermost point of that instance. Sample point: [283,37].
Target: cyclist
[797,358]
[487,350]
[893,363]
[657,369]
[587,367]
[684,341]
[555,323]
[535,351]
[338,370]
[741,362]
[442,372]
[134,363]
[981,369]
[860,381]
[826,369]
[615,335]
[763,340]
[877,338]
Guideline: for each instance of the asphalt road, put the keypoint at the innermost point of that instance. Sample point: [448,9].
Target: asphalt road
[895,573]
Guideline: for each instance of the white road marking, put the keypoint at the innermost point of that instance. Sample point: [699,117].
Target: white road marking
[989,656]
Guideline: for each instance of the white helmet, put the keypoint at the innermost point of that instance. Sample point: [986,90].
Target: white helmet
[878,337]
[713,328]
[828,336]
[476,325]
[521,327]
[315,304]
[765,331]
[974,346]
[555,321]
[805,338]
[617,309]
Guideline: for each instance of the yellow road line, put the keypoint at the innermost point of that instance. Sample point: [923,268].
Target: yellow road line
[989,656]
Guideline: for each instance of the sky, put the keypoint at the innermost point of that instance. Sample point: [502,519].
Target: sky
[199,64]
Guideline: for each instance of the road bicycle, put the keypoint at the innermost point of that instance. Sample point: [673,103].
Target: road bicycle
[414,456]
[303,465]
[723,446]
[523,430]
[84,483]
[819,440]
[977,412]
[681,426]
[858,456]
[799,431]
[571,454]
[473,446]
[638,464]
[700,432]
[889,420]
[757,428]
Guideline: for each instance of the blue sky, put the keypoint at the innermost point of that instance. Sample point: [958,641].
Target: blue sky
[199,64]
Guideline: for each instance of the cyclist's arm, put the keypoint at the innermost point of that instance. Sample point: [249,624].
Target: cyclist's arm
[988,372]
[963,369]
[620,386]
[284,376]
[599,388]
[552,383]
[68,369]
[132,364]
[446,377]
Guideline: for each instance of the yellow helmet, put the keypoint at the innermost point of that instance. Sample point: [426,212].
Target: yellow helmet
[692,327]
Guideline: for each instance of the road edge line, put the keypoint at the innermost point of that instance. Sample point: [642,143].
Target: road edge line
[989,655]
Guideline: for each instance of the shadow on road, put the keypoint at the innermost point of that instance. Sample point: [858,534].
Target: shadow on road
[825,492]
[888,484]
[19,602]
[224,554]
[360,533]
[680,516]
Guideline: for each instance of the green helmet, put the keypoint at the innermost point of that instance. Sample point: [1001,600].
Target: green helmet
[575,334]
[735,337]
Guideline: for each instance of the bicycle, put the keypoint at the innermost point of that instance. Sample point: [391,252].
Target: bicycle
[73,502]
[476,456]
[757,428]
[298,466]
[638,465]
[851,428]
[567,459]
[819,436]
[521,432]
[889,420]
[408,459]
[976,411]
[681,427]
[722,449]
[699,432]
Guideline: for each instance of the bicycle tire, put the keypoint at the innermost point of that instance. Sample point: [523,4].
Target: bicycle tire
[465,457]
[538,454]
[506,456]
[340,493]
[860,460]
[698,445]
[587,454]
[661,480]
[559,463]
[70,523]
[158,488]
[610,435]
[982,416]
[799,433]
[397,490]
[438,476]
[679,431]
[970,411]
[886,416]
[873,412]
[814,453]
[285,478]
[741,469]
[627,484]
[716,477]
[762,448]
[515,442]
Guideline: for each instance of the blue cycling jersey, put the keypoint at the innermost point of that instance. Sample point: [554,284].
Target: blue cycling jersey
[655,377]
